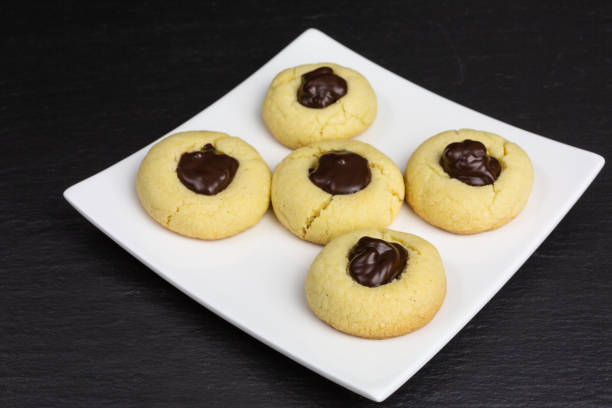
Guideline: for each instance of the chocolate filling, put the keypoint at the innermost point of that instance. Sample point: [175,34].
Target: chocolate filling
[341,172]
[207,171]
[374,262]
[320,88]
[469,162]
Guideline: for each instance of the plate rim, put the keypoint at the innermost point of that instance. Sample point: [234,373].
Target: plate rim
[382,392]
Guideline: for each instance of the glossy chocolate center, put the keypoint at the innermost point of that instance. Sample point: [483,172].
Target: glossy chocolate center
[207,171]
[469,162]
[341,172]
[320,88]
[374,262]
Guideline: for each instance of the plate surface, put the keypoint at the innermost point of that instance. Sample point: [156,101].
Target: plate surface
[255,279]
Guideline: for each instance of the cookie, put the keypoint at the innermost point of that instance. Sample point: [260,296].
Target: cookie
[205,185]
[468,181]
[317,102]
[332,187]
[376,283]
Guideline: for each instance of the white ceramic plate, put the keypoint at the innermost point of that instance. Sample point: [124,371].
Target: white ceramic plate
[255,279]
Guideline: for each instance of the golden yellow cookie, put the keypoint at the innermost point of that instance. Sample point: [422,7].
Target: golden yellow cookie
[459,207]
[237,207]
[296,125]
[314,214]
[404,304]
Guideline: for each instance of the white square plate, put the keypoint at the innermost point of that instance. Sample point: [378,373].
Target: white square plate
[255,279]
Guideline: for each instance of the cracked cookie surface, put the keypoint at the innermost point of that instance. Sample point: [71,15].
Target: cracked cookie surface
[174,206]
[317,216]
[392,309]
[461,208]
[295,125]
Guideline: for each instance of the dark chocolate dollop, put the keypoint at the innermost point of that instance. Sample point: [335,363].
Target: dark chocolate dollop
[207,171]
[320,88]
[341,172]
[374,262]
[469,162]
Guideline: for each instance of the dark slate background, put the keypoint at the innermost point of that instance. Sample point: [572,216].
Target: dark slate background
[83,324]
